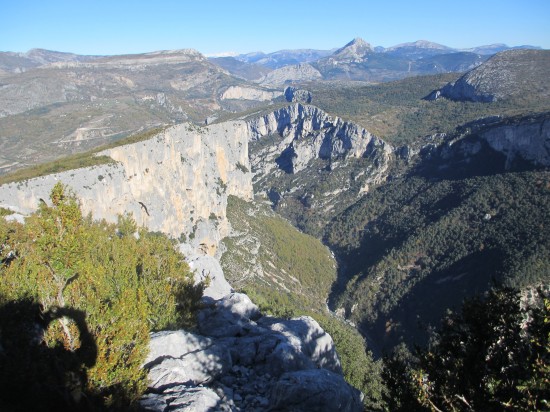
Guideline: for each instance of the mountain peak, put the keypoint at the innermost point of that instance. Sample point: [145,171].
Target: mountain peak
[357,41]
[355,49]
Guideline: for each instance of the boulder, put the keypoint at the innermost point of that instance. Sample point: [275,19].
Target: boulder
[180,357]
[314,390]
[246,362]
[307,337]
[230,316]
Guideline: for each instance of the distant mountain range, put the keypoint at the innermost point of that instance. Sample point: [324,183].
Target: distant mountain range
[359,60]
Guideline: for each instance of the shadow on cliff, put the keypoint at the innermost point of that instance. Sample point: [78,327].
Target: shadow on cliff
[36,377]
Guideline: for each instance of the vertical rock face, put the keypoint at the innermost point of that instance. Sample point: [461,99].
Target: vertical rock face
[528,140]
[176,182]
[514,141]
[306,132]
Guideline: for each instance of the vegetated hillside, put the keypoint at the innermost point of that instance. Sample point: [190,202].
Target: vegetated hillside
[421,244]
[397,113]
[267,256]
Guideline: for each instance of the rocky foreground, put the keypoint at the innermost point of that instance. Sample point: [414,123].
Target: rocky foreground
[243,361]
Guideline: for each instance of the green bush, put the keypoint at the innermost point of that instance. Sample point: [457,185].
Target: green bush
[492,356]
[126,283]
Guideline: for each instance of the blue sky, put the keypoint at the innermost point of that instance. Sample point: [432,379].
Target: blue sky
[215,26]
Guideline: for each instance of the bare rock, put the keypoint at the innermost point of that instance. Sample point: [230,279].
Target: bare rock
[249,93]
[182,399]
[314,390]
[293,94]
[183,358]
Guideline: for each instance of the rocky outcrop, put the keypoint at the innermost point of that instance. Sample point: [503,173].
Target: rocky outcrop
[513,73]
[249,93]
[296,73]
[295,95]
[304,133]
[243,361]
[527,139]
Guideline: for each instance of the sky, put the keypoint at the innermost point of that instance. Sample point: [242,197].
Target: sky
[107,27]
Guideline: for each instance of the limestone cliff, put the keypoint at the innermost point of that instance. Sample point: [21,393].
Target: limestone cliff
[528,139]
[503,144]
[176,182]
[306,133]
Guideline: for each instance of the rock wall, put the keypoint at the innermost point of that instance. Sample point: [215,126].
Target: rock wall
[307,133]
[528,139]
[176,182]
[516,141]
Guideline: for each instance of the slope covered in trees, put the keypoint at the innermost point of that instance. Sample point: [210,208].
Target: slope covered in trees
[417,246]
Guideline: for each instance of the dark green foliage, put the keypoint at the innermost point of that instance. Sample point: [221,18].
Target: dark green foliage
[112,285]
[492,356]
[412,237]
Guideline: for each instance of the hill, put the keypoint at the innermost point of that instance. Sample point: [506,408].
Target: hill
[510,74]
